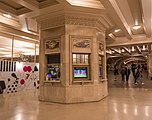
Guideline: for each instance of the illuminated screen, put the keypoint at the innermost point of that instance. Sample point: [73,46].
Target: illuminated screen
[100,71]
[49,75]
[53,72]
[80,72]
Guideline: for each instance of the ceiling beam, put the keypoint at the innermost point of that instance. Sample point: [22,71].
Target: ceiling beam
[111,36]
[127,50]
[8,9]
[115,12]
[138,49]
[126,11]
[27,4]
[16,32]
[147,15]
[113,49]
[137,40]
[18,38]
[112,29]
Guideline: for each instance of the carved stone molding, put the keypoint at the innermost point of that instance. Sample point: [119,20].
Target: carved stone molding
[62,20]
[101,47]
[52,22]
[52,45]
[81,43]
[84,21]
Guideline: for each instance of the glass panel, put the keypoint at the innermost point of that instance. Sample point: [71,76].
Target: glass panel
[86,59]
[82,58]
[78,58]
[74,58]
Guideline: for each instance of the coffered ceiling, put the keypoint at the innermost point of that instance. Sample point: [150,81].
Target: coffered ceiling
[127,24]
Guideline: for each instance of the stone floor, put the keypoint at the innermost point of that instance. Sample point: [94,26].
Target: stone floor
[125,102]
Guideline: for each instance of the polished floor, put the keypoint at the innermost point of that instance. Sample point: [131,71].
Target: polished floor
[123,103]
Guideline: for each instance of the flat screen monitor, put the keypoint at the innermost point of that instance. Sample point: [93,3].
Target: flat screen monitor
[53,72]
[80,72]
[100,71]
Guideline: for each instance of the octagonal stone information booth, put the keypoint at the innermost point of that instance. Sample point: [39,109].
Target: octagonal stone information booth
[72,58]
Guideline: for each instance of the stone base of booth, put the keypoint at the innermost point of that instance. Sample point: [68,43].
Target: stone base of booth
[73,94]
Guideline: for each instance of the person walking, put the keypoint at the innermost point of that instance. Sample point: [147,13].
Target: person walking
[116,72]
[133,68]
[138,75]
[127,73]
[122,71]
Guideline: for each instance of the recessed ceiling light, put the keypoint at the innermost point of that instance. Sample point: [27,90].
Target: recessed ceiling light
[7,15]
[123,50]
[110,34]
[144,48]
[117,30]
[136,27]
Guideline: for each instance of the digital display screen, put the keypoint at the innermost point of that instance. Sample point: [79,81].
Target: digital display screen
[80,72]
[53,72]
[49,75]
[100,72]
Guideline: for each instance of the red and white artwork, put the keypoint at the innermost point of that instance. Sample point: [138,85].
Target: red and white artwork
[25,77]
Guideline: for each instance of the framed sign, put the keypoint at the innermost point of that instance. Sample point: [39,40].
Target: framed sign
[80,43]
[52,46]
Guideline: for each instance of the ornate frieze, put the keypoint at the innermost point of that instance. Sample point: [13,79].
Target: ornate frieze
[72,20]
[81,43]
[52,46]
[84,21]
[52,22]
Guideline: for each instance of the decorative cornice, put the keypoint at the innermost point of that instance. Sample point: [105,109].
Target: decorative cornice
[86,20]
[52,22]
[68,19]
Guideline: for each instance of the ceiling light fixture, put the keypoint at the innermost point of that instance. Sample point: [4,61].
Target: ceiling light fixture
[133,49]
[110,34]
[122,50]
[136,27]
[144,48]
[117,30]
[7,15]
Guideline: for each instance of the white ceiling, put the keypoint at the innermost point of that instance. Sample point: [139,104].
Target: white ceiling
[121,15]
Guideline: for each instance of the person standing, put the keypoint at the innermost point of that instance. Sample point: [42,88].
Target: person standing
[127,73]
[116,72]
[122,71]
[133,68]
[138,75]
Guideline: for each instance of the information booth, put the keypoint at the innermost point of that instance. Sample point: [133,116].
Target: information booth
[72,60]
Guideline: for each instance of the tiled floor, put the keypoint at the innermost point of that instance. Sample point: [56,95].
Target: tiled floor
[123,103]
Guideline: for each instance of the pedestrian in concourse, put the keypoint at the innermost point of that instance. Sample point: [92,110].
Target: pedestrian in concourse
[138,75]
[116,72]
[133,68]
[127,73]
[122,71]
